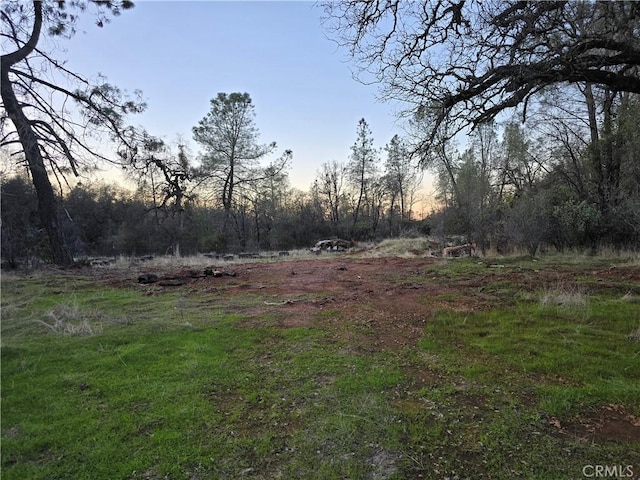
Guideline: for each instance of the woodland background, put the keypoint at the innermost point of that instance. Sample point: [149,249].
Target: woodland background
[526,113]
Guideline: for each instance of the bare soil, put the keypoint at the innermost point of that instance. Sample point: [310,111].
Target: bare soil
[609,423]
[384,303]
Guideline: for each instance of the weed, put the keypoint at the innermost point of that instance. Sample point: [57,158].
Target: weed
[68,319]
[630,298]
[634,336]
[563,295]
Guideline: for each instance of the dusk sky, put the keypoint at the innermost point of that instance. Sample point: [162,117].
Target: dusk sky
[182,53]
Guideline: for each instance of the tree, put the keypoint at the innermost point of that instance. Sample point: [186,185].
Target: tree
[361,168]
[231,157]
[330,183]
[167,176]
[19,225]
[402,178]
[519,171]
[527,222]
[91,216]
[267,197]
[475,201]
[54,111]
[460,63]
[591,148]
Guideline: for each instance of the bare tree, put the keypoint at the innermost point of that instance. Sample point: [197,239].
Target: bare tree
[586,141]
[459,63]
[55,113]
[402,178]
[330,185]
[519,169]
[267,198]
[168,177]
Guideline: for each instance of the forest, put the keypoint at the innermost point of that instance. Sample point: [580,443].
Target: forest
[527,120]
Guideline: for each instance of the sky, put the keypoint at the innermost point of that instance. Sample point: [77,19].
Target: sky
[182,53]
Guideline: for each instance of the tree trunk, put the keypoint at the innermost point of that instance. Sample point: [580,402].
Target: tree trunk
[176,248]
[29,141]
[359,205]
[596,152]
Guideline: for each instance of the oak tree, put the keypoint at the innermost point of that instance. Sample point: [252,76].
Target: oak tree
[167,177]
[460,63]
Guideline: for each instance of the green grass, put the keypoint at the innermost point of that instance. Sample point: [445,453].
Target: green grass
[521,346]
[177,386]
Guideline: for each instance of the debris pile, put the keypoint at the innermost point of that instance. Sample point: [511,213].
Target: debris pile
[335,245]
[179,279]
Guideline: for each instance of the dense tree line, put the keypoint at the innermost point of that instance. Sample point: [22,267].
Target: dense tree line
[230,197]
[526,112]
[545,94]
[545,183]
[38,90]
[184,205]
[549,181]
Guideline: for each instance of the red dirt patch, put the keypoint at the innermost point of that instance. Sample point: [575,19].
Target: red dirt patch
[611,423]
[374,303]
[368,304]
[383,304]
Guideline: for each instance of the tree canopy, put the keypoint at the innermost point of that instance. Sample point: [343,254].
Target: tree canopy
[232,152]
[55,113]
[459,63]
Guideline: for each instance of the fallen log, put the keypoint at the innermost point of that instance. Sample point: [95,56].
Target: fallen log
[219,273]
[171,283]
[147,278]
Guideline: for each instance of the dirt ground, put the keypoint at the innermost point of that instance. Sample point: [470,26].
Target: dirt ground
[382,303]
[392,297]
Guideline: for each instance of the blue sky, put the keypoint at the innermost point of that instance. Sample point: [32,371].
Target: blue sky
[182,53]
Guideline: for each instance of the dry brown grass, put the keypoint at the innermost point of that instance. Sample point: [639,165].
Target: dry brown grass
[68,319]
[634,336]
[201,261]
[630,298]
[564,296]
[405,248]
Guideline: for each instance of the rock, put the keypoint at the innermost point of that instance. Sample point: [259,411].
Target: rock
[335,245]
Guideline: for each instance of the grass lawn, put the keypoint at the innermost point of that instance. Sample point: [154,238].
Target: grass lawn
[106,380]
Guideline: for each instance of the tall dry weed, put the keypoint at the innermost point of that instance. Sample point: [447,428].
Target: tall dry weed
[68,319]
[564,295]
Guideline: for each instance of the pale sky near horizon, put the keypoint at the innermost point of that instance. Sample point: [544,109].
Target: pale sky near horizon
[182,53]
